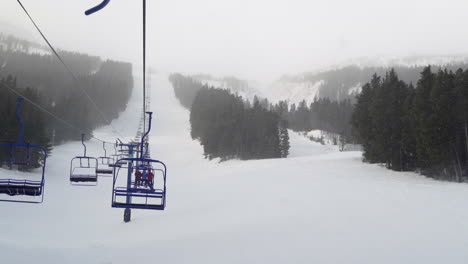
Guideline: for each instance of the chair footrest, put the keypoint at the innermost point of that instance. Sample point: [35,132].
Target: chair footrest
[83,178]
[138,206]
[105,171]
[21,190]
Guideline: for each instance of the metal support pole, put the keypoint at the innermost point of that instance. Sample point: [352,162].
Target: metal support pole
[144,64]
[104,147]
[150,114]
[127,211]
[82,142]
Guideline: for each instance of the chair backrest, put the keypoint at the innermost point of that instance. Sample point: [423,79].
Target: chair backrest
[26,158]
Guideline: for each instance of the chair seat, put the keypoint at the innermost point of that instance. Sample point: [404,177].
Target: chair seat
[83,178]
[139,206]
[18,189]
[105,171]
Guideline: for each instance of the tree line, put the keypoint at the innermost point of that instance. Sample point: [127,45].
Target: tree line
[321,114]
[229,127]
[185,89]
[422,128]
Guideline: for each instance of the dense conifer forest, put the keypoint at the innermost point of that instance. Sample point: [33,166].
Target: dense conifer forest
[322,114]
[229,127]
[109,83]
[185,88]
[422,127]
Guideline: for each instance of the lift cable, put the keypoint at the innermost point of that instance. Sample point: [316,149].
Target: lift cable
[144,65]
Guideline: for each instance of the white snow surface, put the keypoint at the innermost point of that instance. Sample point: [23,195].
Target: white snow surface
[318,206]
[355,90]
[248,92]
[327,137]
[295,92]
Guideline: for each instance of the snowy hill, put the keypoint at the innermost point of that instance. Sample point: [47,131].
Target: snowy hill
[295,91]
[246,89]
[337,82]
[343,81]
[318,206]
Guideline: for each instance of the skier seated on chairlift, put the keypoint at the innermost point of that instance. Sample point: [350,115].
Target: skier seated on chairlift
[138,178]
[150,179]
[145,178]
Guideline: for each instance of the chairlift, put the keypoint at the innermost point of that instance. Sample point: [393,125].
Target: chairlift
[115,158]
[104,163]
[142,185]
[128,192]
[129,150]
[25,186]
[83,169]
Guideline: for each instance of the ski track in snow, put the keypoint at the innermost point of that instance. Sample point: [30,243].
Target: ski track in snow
[318,206]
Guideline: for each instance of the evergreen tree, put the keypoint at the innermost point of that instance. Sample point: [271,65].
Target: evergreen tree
[227,129]
[423,116]
[284,138]
[421,128]
[362,119]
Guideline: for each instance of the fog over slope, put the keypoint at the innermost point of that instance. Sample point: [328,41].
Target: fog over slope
[250,39]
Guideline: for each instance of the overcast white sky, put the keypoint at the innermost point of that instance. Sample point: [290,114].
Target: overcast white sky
[254,39]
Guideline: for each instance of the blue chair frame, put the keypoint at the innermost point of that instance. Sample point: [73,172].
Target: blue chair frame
[132,191]
[97,8]
[83,180]
[104,168]
[14,187]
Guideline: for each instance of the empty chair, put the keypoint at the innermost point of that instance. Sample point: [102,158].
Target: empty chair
[83,169]
[24,182]
[104,163]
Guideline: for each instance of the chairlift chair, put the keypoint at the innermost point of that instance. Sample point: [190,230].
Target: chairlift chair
[140,192]
[83,169]
[115,158]
[127,151]
[25,187]
[127,193]
[131,189]
[104,163]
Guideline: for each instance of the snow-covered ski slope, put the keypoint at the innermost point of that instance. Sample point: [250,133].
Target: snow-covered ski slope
[319,206]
